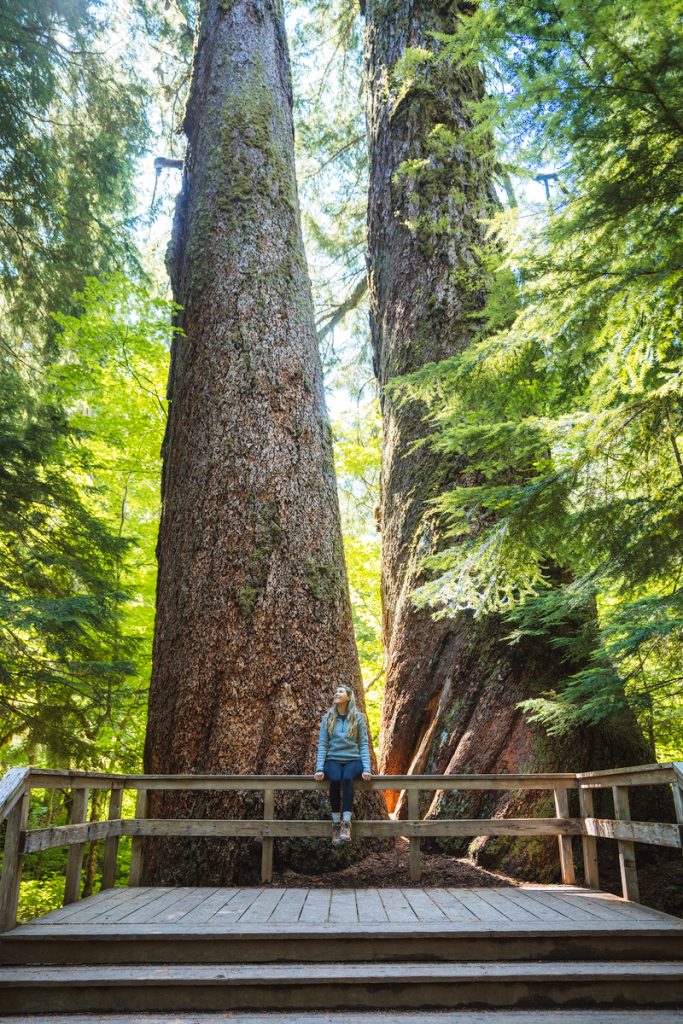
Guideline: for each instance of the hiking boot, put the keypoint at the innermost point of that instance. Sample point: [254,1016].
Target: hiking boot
[345,832]
[336,829]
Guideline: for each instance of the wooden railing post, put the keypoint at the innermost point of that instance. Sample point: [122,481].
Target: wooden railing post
[414,814]
[677,787]
[74,864]
[627,854]
[136,847]
[267,841]
[565,842]
[111,845]
[589,843]
[11,863]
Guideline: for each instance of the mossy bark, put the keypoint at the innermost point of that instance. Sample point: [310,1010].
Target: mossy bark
[452,686]
[253,629]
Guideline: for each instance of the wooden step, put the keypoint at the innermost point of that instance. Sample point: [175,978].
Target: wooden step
[339,986]
[100,944]
[639,1016]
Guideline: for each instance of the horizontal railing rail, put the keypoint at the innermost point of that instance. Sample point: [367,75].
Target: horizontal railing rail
[16,786]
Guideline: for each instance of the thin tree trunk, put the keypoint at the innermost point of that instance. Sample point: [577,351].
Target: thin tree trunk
[451,685]
[253,629]
[92,855]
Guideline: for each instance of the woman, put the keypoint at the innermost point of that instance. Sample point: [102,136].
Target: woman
[343,755]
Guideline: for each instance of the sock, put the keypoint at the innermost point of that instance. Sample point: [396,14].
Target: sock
[336,817]
[347,815]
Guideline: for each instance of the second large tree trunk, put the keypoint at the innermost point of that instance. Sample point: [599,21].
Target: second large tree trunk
[253,630]
[451,685]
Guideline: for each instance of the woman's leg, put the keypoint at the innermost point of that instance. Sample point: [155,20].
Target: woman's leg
[333,772]
[350,771]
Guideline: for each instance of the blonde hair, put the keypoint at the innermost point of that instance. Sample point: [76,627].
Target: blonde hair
[353,715]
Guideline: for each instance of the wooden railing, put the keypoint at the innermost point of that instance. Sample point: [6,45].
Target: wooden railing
[16,786]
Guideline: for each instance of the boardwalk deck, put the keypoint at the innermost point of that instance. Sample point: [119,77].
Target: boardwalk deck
[534,908]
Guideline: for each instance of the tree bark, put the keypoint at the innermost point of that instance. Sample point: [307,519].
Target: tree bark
[253,629]
[452,686]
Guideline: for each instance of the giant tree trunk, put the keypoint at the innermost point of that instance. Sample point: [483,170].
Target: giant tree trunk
[451,685]
[253,629]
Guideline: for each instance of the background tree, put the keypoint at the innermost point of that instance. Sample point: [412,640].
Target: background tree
[253,628]
[453,686]
[578,386]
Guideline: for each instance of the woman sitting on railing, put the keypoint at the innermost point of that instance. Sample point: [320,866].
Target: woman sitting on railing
[343,755]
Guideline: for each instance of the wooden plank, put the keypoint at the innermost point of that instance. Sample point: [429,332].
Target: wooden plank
[570,913]
[425,909]
[486,914]
[220,827]
[370,907]
[148,911]
[635,775]
[592,904]
[136,851]
[544,912]
[316,909]
[203,913]
[654,833]
[290,906]
[515,1016]
[512,910]
[397,906]
[343,908]
[267,842]
[677,789]
[627,853]
[13,785]
[111,845]
[10,880]
[55,778]
[88,909]
[74,864]
[590,850]
[565,842]
[414,855]
[124,908]
[187,900]
[39,839]
[263,906]
[454,910]
[234,910]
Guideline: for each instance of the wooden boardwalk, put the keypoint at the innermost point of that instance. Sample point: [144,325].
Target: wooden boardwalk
[374,950]
[186,910]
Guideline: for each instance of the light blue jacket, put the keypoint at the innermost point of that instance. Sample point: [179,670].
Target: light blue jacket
[340,747]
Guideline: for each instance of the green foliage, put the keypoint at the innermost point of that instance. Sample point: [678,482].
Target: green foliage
[78,522]
[38,896]
[569,408]
[72,123]
[357,456]
[326,39]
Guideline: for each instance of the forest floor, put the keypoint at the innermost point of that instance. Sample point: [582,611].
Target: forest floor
[389,868]
[660,877]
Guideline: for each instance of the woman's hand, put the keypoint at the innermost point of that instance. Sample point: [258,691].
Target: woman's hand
[367,775]
[319,776]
